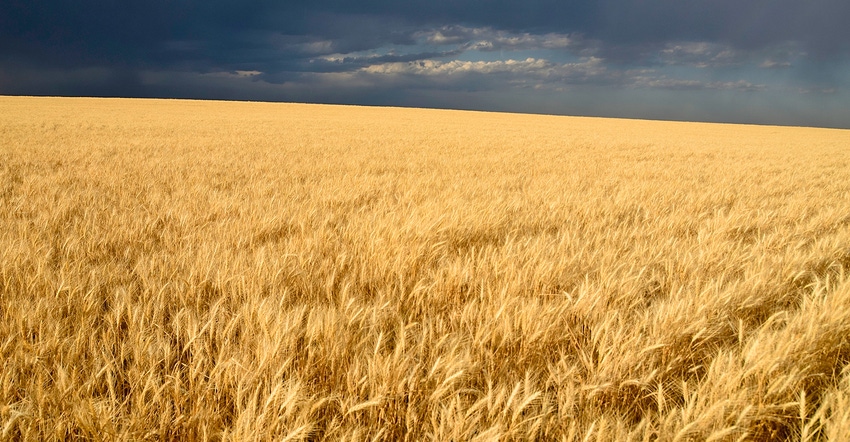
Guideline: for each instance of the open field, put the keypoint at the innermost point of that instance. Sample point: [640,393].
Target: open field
[184,270]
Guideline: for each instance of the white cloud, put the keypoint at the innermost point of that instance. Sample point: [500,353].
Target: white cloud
[437,37]
[541,74]
[532,68]
[489,39]
[433,67]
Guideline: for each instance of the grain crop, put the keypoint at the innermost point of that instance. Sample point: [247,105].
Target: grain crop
[201,270]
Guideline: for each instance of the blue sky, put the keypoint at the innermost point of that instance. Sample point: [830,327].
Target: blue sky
[766,62]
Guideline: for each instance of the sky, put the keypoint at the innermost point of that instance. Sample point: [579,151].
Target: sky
[784,62]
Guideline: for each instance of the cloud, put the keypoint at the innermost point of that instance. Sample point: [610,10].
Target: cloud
[373,51]
[451,41]
[818,25]
[490,39]
[87,32]
[700,54]
[664,82]
[89,81]
[528,71]
[343,62]
[773,64]
[315,47]
[235,74]
[455,67]
[541,74]
[260,34]
[818,91]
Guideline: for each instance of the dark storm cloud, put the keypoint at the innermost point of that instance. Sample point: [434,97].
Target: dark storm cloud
[374,50]
[820,25]
[86,32]
[138,33]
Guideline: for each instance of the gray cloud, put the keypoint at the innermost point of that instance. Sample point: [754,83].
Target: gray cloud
[537,74]
[382,51]
[700,54]
[664,82]
[818,25]
[90,32]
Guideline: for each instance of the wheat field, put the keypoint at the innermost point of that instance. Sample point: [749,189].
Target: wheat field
[191,270]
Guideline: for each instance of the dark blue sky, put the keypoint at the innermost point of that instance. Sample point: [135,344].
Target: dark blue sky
[771,62]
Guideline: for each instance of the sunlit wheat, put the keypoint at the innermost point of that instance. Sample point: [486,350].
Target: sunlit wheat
[184,270]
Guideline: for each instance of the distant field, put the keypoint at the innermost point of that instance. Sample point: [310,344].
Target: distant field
[187,270]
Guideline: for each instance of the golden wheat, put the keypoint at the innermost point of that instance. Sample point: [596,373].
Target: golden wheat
[183,270]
